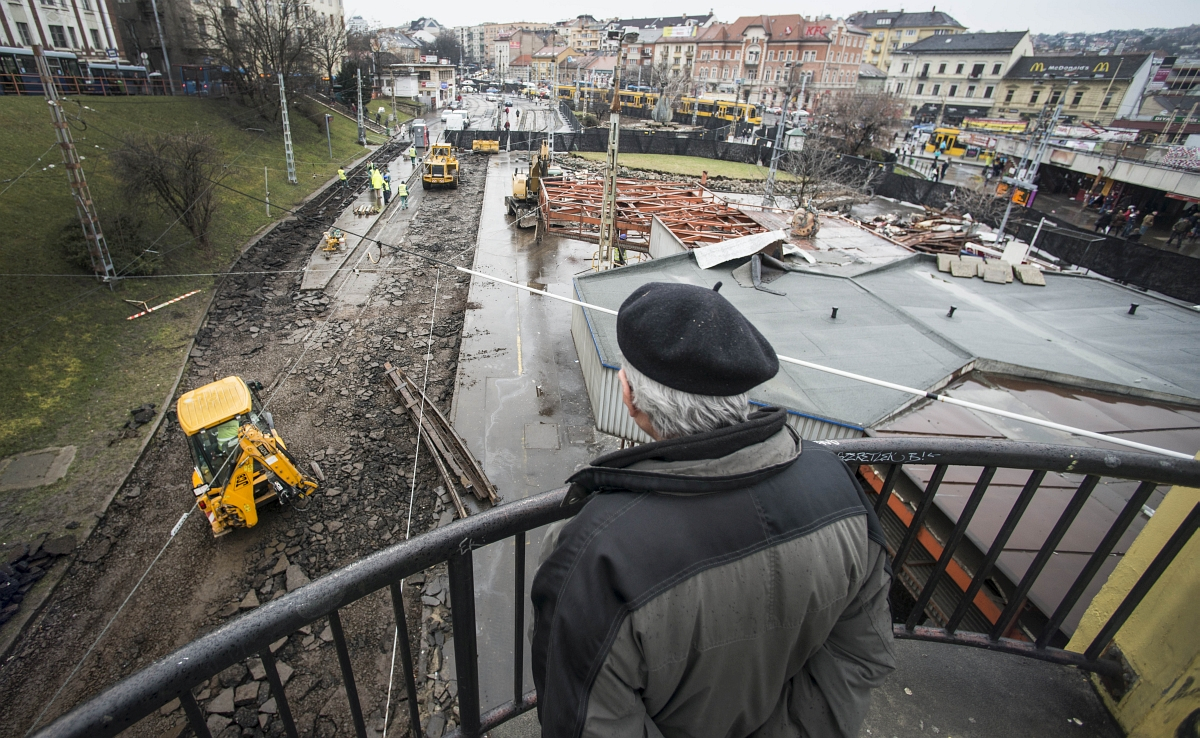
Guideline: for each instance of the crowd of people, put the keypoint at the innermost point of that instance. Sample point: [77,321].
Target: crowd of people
[1133,224]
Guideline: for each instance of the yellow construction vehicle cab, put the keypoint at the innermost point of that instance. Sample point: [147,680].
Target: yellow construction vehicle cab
[240,460]
[526,188]
[441,167]
[486,146]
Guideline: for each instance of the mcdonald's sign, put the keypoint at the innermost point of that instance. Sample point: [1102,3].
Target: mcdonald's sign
[1101,67]
[1038,67]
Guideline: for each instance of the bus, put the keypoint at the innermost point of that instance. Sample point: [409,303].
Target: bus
[19,74]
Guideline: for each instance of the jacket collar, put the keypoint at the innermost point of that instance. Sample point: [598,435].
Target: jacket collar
[615,472]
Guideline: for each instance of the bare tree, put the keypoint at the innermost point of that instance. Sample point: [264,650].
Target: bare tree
[179,171]
[257,39]
[819,173]
[861,120]
[983,205]
[446,46]
[327,40]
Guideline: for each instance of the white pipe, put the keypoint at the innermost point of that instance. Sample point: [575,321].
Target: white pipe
[890,385]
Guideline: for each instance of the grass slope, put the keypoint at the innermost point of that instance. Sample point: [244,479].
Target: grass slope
[73,366]
[690,166]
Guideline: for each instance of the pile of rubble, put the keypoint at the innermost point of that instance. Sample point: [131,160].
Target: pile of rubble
[931,232]
[23,565]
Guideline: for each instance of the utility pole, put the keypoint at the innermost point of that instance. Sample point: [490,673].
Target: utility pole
[609,239]
[1027,170]
[362,136]
[287,135]
[162,42]
[328,136]
[777,154]
[88,218]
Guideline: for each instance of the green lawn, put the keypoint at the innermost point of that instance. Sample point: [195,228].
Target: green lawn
[73,366]
[690,166]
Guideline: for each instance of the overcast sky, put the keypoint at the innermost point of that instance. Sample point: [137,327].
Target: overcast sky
[1038,16]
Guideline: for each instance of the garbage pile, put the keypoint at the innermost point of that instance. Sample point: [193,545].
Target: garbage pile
[930,232]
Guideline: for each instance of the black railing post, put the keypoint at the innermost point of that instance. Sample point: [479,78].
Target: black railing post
[281,702]
[1115,531]
[910,537]
[519,620]
[1145,583]
[466,656]
[194,714]
[406,659]
[960,529]
[1017,600]
[343,653]
[889,484]
[997,548]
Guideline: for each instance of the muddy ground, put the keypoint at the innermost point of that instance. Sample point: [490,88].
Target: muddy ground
[320,357]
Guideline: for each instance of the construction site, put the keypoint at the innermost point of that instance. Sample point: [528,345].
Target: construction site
[371,372]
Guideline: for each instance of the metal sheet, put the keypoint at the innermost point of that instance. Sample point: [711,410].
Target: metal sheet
[710,256]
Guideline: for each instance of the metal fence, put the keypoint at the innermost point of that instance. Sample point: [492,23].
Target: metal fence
[250,635]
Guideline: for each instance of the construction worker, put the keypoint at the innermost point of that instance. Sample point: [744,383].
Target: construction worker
[377,185]
[342,179]
[387,188]
[402,191]
[412,155]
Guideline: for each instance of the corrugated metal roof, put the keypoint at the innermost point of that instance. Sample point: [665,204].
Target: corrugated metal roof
[960,43]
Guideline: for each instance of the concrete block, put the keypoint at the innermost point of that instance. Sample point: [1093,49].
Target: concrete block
[1030,274]
[962,269]
[995,273]
[944,261]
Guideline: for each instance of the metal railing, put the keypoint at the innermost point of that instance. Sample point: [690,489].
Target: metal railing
[250,635]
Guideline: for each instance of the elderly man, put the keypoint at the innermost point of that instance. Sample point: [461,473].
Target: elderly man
[727,579]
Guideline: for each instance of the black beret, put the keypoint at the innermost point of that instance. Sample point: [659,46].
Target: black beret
[693,340]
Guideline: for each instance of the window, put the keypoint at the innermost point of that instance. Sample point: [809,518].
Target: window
[899,88]
[996,68]
[937,90]
[987,92]
[921,89]
[904,68]
[1033,98]
[1055,97]
[74,38]
[86,4]
[925,70]
[959,69]
[778,75]
[910,32]
[1105,104]
[58,36]
[23,32]
[977,70]
[770,56]
[703,56]
[941,69]
[728,54]
[96,37]
[1008,98]
[1078,98]
[737,55]
[725,73]
[703,72]
[953,90]
[789,55]
[970,90]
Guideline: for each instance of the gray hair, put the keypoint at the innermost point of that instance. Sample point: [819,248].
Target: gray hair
[675,413]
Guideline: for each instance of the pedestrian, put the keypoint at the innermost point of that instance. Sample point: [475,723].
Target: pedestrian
[412,155]
[387,188]
[726,578]
[506,126]
[379,115]
[987,174]
[945,168]
[1130,222]
[342,179]
[1104,221]
[402,191]
[1179,230]
[377,185]
[1119,219]
[1147,223]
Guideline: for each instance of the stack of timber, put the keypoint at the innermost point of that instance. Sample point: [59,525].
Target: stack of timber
[457,467]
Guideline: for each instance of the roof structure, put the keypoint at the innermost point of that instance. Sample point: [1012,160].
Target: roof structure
[523,60]
[664,21]
[871,71]
[777,28]
[1081,67]
[696,216]
[962,43]
[900,19]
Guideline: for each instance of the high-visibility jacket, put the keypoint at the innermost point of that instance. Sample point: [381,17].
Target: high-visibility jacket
[412,151]
[376,179]
[341,174]
[402,189]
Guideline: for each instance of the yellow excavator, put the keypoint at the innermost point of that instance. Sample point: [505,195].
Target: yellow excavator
[441,167]
[240,460]
[527,187]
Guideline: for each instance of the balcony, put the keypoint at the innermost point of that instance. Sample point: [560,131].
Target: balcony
[944,608]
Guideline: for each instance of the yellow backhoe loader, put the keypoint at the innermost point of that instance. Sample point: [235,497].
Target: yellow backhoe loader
[240,460]
[441,167]
[526,187]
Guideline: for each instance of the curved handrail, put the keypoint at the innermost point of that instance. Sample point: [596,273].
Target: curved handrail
[136,696]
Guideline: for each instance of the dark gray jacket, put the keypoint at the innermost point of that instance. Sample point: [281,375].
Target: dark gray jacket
[732,583]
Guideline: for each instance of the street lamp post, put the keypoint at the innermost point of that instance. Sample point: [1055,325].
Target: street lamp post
[609,246]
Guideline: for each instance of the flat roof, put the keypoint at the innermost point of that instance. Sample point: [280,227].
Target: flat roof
[892,325]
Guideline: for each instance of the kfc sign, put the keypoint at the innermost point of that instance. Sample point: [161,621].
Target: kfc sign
[815,30]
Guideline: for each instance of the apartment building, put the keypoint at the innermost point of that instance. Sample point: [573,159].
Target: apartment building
[947,78]
[892,31]
[1096,89]
[84,27]
[478,42]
